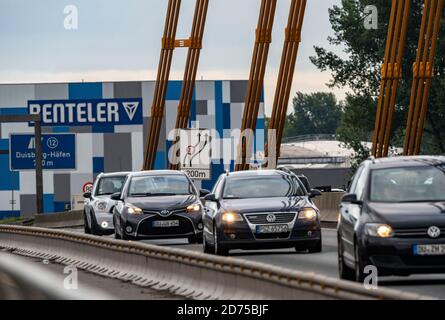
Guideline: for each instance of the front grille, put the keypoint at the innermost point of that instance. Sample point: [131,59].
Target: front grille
[176,211]
[146,226]
[416,233]
[261,218]
[436,261]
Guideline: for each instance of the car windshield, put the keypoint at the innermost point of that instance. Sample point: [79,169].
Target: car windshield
[415,184]
[272,186]
[109,185]
[166,185]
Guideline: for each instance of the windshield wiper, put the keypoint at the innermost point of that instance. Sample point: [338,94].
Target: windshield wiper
[150,194]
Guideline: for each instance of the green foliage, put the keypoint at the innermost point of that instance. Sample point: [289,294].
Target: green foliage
[359,70]
[315,113]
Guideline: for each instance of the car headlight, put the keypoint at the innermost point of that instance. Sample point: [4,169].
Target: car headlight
[101,206]
[307,214]
[133,209]
[194,208]
[379,230]
[231,217]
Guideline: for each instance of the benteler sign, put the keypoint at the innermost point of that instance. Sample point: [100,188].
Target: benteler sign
[88,112]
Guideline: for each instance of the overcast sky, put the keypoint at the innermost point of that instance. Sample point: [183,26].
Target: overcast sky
[120,40]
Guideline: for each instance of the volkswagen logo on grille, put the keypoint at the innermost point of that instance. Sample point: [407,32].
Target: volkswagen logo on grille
[271,218]
[165,213]
[434,232]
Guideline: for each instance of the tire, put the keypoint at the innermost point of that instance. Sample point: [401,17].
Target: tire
[192,240]
[206,247]
[116,234]
[86,227]
[218,248]
[317,247]
[344,272]
[94,227]
[359,266]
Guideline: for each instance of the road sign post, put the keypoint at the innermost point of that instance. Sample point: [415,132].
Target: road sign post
[38,132]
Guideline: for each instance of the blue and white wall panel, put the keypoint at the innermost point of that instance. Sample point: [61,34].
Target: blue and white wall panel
[216,105]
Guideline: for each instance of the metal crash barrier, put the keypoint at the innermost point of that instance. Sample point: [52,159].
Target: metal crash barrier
[189,274]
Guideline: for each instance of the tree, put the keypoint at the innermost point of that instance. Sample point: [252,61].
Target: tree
[359,70]
[315,113]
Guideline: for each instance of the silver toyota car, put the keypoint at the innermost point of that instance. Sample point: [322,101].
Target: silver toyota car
[98,207]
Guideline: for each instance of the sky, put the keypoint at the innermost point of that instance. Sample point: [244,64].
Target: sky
[120,40]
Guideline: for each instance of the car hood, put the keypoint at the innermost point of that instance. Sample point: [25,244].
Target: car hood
[409,215]
[266,204]
[163,203]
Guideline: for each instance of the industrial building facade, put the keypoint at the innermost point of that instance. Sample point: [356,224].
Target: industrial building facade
[109,124]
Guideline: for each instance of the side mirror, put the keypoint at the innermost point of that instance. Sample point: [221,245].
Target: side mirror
[210,197]
[87,195]
[203,193]
[315,193]
[116,196]
[351,198]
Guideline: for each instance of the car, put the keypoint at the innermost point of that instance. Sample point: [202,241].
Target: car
[393,218]
[98,206]
[265,209]
[158,205]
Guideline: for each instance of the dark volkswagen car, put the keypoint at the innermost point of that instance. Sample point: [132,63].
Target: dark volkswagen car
[158,204]
[394,218]
[260,209]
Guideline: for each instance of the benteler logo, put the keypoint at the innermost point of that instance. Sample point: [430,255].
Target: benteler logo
[131,108]
[271,218]
[434,232]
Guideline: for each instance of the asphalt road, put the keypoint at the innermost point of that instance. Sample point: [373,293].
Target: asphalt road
[324,263]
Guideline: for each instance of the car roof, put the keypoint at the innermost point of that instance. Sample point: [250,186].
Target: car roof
[114,174]
[157,173]
[406,161]
[256,173]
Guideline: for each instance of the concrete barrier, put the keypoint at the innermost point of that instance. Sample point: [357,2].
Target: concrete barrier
[329,204]
[192,275]
[68,219]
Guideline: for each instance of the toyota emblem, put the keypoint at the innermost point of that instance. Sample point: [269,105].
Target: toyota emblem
[271,218]
[434,232]
[165,213]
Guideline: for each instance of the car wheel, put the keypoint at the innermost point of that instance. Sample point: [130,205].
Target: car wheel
[86,227]
[116,234]
[206,247]
[344,271]
[359,267]
[94,227]
[219,249]
[317,247]
[192,240]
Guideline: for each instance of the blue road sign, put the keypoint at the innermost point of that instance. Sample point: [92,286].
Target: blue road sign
[58,151]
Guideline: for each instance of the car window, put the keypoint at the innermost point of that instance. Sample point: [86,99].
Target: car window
[409,184]
[361,184]
[109,185]
[160,186]
[267,186]
[352,187]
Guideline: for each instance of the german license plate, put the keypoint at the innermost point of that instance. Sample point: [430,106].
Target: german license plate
[280,228]
[429,250]
[166,224]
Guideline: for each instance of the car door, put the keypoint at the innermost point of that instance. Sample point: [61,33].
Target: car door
[349,215]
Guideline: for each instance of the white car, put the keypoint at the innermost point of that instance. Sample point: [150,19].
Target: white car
[98,207]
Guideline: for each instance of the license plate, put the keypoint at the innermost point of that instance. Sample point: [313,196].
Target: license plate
[166,224]
[429,250]
[281,228]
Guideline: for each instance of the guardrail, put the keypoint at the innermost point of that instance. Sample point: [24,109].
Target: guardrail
[21,280]
[180,272]
[67,219]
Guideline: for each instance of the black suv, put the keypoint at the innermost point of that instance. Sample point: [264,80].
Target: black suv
[260,209]
[394,218]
